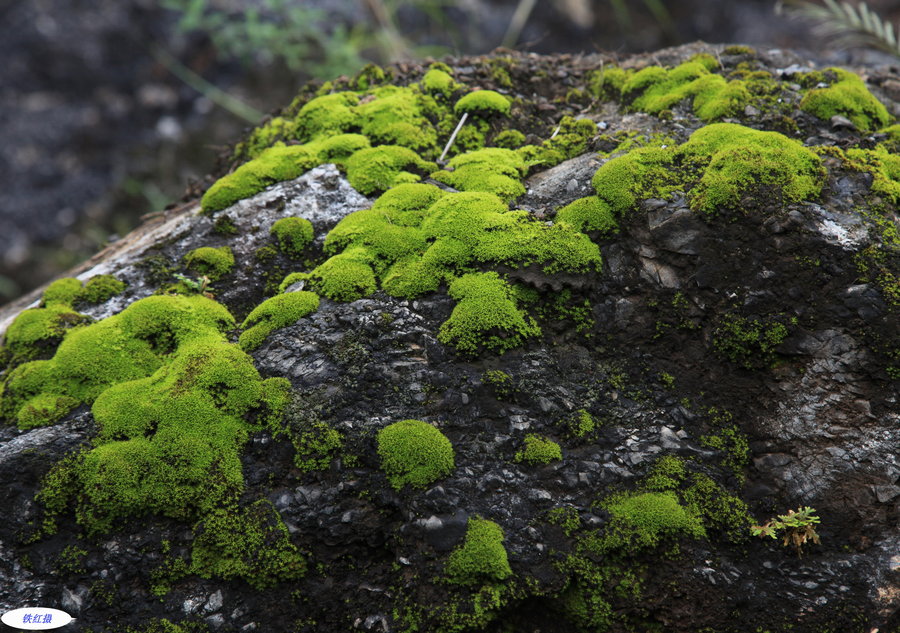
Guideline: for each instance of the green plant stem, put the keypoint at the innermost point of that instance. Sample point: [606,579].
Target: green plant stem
[208,90]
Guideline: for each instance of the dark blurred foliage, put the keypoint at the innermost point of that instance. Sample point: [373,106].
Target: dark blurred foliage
[98,130]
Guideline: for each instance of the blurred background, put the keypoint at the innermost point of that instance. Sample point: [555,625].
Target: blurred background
[110,109]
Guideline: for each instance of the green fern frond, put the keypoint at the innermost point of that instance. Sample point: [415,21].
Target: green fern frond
[854,25]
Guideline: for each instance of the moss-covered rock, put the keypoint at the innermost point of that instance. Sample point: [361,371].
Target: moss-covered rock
[414,453]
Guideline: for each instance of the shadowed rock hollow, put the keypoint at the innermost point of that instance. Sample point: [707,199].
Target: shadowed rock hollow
[547,382]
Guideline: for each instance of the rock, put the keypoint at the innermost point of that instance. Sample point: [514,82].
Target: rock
[701,359]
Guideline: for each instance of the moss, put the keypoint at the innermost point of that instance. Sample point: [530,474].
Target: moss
[580,424]
[274,313]
[738,50]
[655,89]
[588,214]
[846,96]
[293,234]
[482,557]
[326,116]
[265,136]
[214,263]
[483,102]
[437,81]
[369,75]
[414,453]
[719,510]
[169,396]
[883,164]
[394,116]
[490,170]
[62,292]
[316,447]
[721,164]
[642,520]
[377,169]
[607,82]
[571,139]
[539,450]
[37,332]
[344,277]
[500,382]
[509,139]
[486,316]
[749,342]
[100,288]
[44,409]
[251,543]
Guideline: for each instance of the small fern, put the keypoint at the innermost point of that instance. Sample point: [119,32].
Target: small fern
[853,25]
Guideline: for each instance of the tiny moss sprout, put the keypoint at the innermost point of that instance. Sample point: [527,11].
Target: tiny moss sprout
[414,453]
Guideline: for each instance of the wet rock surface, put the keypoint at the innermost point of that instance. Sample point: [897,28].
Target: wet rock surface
[815,422]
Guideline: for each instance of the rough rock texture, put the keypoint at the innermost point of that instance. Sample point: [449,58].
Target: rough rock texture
[746,357]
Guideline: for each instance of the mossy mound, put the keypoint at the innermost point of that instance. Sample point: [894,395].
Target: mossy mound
[293,234]
[482,557]
[847,96]
[214,263]
[414,453]
[719,167]
[276,312]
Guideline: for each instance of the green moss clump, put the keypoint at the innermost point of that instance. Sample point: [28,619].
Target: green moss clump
[588,214]
[344,277]
[539,450]
[487,316]
[491,170]
[571,139]
[509,139]
[251,543]
[395,117]
[846,96]
[215,263]
[655,89]
[274,313]
[62,292]
[642,520]
[265,136]
[580,424]
[883,164]
[100,288]
[738,50]
[124,347]
[169,395]
[377,169]
[749,342]
[37,332]
[437,81]
[414,453]
[316,447]
[482,557]
[483,102]
[293,234]
[326,116]
[721,164]
[607,82]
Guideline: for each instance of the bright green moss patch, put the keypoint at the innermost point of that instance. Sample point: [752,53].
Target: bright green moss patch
[607,82]
[344,277]
[251,543]
[169,395]
[394,116]
[265,136]
[846,96]
[509,139]
[643,520]
[326,116]
[481,558]
[215,263]
[487,316]
[721,164]
[414,453]
[883,164]
[274,313]
[655,89]
[539,450]
[293,234]
[484,102]
[37,332]
[588,214]
[100,288]
[377,169]
[316,447]
[491,170]
[127,346]
[62,292]
[44,409]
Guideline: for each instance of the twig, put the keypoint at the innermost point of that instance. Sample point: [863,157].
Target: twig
[449,144]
